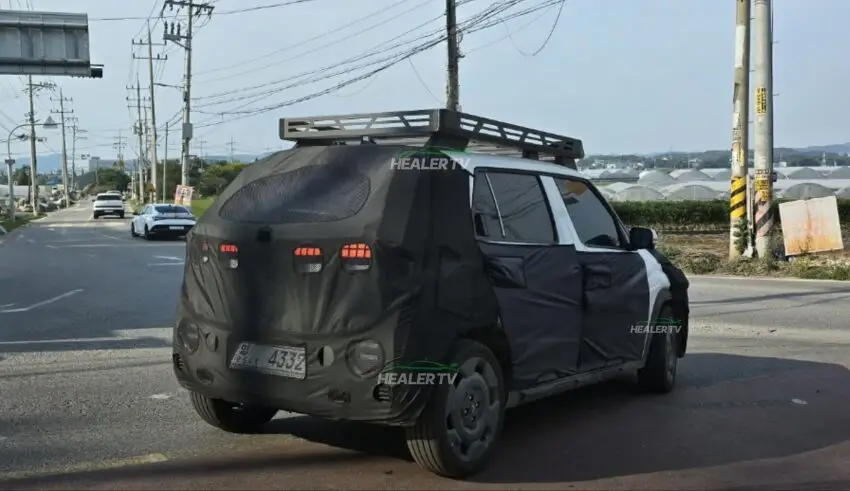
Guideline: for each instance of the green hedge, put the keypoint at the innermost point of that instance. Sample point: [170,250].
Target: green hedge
[691,215]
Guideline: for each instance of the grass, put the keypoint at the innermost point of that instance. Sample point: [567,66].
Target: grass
[199,206]
[708,253]
[19,222]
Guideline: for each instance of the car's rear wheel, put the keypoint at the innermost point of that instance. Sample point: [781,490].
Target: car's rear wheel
[231,417]
[456,433]
[659,374]
[95,216]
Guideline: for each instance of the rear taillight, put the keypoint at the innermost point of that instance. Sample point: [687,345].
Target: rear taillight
[232,261]
[356,257]
[308,259]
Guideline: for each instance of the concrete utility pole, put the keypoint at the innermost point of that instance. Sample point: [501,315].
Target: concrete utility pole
[138,130]
[150,44]
[453,76]
[185,41]
[165,166]
[763,127]
[31,89]
[740,127]
[62,112]
[120,143]
[76,132]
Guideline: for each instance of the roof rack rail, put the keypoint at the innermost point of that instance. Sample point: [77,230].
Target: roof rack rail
[433,128]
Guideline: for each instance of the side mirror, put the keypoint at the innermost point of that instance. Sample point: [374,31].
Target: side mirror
[642,238]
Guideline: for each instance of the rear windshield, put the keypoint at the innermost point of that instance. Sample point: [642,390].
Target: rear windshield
[171,209]
[109,197]
[306,195]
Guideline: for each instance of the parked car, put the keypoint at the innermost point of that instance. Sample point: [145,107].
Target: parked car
[162,220]
[428,287]
[108,204]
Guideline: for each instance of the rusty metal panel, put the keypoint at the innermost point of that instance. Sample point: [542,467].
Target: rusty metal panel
[811,226]
[44,43]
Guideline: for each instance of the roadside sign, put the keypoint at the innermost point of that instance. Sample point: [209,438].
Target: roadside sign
[811,226]
[183,195]
[45,43]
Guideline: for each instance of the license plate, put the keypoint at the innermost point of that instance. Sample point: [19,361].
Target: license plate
[175,228]
[283,361]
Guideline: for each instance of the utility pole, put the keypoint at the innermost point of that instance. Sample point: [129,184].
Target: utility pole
[201,155]
[120,143]
[76,131]
[763,128]
[740,130]
[172,33]
[165,166]
[150,44]
[31,89]
[146,134]
[231,149]
[138,130]
[453,76]
[62,112]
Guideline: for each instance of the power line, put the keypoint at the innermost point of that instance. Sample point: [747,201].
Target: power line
[224,12]
[548,36]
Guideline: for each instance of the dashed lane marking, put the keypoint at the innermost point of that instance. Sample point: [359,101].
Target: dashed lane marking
[40,304]
[181,263]
[51,246]
[153,458]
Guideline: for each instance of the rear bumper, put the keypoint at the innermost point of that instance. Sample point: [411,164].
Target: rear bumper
[108,211]
[170,229]
[332,391]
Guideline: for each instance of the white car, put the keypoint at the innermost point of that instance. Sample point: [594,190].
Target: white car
[108,204]
[162,220]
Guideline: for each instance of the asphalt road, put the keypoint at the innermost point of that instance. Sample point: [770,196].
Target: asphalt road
[86,385]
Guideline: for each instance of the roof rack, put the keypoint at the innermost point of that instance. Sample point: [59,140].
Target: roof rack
[433,128]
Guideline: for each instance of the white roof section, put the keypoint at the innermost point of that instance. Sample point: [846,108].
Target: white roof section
[638,193]
[470,161]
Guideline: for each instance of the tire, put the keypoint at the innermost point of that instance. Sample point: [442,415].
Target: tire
[233,418]
[432,441]
[147,234]
[95,216]
[658,376]
[133,230]
[121,216]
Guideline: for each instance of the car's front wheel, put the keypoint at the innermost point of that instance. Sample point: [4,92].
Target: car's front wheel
[456,433]
[231,417]
[133,230]
[659,373]
[147,233]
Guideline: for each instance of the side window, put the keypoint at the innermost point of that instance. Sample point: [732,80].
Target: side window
[593,222]
[484,211]
[522,206]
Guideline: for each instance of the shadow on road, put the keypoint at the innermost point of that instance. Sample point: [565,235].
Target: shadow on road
[727,409]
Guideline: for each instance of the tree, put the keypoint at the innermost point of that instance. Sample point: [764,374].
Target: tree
[216,177]
[22,177]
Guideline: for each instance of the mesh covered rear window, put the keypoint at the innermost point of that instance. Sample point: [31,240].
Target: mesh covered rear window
[309,194]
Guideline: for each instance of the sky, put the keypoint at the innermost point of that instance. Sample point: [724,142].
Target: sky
[625,76]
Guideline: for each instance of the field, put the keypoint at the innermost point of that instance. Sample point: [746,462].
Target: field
[199,206]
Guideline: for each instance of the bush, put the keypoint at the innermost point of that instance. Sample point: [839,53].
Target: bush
[691,215]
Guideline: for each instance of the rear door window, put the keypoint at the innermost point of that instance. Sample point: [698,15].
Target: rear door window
[306,195]
[522,207]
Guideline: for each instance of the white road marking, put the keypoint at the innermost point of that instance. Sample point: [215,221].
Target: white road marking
[52,246]
[41,304]
[160,396]
[169,258]
[799,401]
[31,241]
[181,263]
[6,306]
[52,229]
